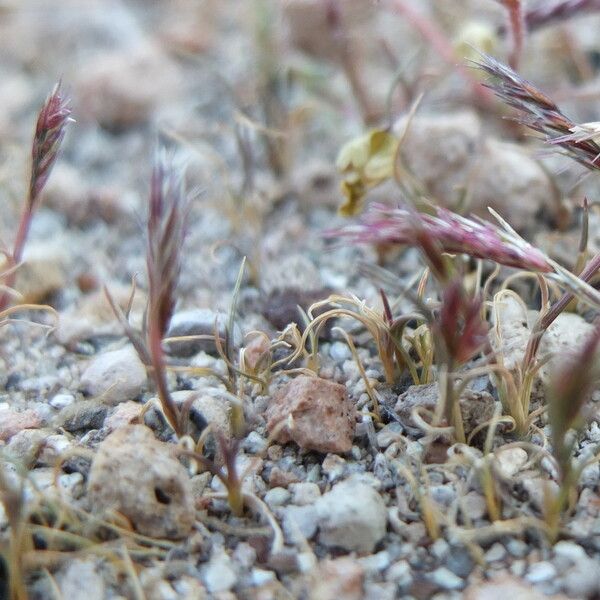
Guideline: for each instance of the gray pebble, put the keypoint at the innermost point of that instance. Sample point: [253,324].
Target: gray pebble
[59,401]
[446,579]
[541,571]
[276,496]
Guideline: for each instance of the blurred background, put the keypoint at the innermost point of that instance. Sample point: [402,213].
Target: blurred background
[259,96]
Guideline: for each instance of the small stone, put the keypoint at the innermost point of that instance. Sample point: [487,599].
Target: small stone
[460,561]
[214,410]
[197,322]
[339,351]
[124,414]
[260,577]
[444,494]
[476,407]
[304,493]
[323,416]
[81,575]
[59,401]
[121,89]
[440,549]
[352,516]
[199,483]
[400,573]
[281,478]
[389,434]
[507,179]
[517,548]
[11,422]
[82,416]
[256,351]
[446,579]
[25,445]
[219,575]
[254,443]
[511,460]
[340,578]
[496,553]
[375,563]
[474,505]
[43,272]
[541,571]
[276,496]
[299,523]
[579,573]
[505,587]
[140,477]
[334,467]
[569,550]
[115,376]
[281,305]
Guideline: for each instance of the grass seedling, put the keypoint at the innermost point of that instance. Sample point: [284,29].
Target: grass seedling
[567,394]
[165,234]
[50,130]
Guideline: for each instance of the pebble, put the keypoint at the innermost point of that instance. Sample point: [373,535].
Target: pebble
[220,574]
[304,493]
[510,461]
[578,573]
[517,548]
[443,494]
[336,579]
[81,575]
[11,422]
[59,401]
[124,414]
[496,553]
[375,563]
[352,516]
[541,571]
[460,561]
[198,321]
[339,351]
[323,416]
[261,577]
[299,523]
[277,496]
[400,573]
[334,467]
[446,579]
[475,506]
[152,488]
[254,443]
[82,416]
[440,549]
[115,376]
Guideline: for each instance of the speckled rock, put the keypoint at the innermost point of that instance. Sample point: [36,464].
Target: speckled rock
[352,516]
[140,477]
[323,416]
[475,407]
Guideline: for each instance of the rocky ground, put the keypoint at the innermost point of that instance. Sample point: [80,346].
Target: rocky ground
[339,502]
